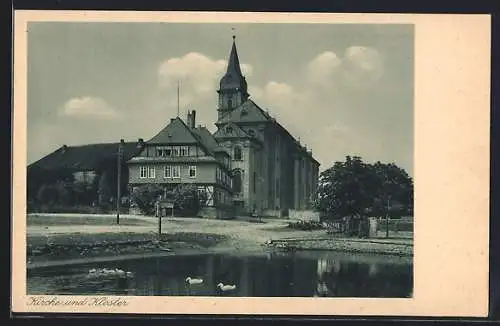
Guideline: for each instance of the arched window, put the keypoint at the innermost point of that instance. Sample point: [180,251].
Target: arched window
[237,153]
[237,180]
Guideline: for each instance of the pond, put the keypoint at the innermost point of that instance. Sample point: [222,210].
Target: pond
[260,275]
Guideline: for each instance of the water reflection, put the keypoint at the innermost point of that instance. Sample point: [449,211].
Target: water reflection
[258,276]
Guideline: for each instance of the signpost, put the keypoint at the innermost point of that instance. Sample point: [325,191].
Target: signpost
[160,214]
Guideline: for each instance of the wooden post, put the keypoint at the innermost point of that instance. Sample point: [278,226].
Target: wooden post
[118,181]
[159,226]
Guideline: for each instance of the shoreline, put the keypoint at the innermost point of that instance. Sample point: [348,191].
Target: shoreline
[327,252]
[61,243]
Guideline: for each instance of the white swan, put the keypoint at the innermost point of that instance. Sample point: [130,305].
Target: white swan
[110,272]
[225,288]
[194,280]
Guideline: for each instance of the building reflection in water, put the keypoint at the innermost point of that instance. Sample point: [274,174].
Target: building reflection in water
[272,275]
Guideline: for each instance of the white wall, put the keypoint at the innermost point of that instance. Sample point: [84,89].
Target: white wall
[305,215]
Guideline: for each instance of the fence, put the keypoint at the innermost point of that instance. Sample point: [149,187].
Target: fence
[304,215]
[396,225]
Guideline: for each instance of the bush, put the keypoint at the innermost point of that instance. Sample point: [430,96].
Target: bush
[305,225]
[73,209]
[145,198]
[187,201]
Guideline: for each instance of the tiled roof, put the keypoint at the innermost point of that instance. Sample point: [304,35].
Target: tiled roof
[175,132]
[231,130]
[85,157]
[206,137]
[248,111]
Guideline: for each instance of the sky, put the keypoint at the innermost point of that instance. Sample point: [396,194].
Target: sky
[341,89]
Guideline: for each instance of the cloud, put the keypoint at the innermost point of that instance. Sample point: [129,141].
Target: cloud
[359,67]
[321,70]
[88,107]
[339,111]
[363,66]
[198,76]
[196,71]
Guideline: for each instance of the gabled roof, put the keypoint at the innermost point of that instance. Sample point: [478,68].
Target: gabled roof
[206,137]
[231,130]
[248,111]
[176,132]
[85,157]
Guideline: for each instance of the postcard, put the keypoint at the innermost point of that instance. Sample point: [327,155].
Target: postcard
[251,163]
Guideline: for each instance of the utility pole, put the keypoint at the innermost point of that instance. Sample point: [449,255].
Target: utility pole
[118,182]
[387,217]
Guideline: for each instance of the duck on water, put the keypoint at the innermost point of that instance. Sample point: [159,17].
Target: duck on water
[193,281]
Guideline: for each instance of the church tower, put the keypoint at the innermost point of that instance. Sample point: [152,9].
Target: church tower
[233,86]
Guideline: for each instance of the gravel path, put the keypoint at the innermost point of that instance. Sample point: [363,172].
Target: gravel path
[104,237]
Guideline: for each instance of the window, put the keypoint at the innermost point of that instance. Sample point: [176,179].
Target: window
[229,130]
[147,172]
[184,151]
[251,132]
[237,181]
[192,171]
[164,151]
[143,172]
[175,151]
[237,153]
[151,172]
[168,171]
[176,171]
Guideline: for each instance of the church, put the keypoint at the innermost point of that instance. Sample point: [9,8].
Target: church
[250,165]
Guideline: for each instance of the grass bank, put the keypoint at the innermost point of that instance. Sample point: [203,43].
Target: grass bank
[73,237]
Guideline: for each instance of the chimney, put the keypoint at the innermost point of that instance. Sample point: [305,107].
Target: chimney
[193,119]
[140,143]
[64,148]
[172,120]
[188,119]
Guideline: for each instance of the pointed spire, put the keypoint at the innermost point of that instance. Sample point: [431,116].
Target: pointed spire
[233,79]
[233,66]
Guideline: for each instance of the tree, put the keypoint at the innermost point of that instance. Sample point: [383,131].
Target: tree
[105,189]
[186,198]
[353,190]
[145,197]
[38,177]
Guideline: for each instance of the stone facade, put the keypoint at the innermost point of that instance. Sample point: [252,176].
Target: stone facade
[277,172]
